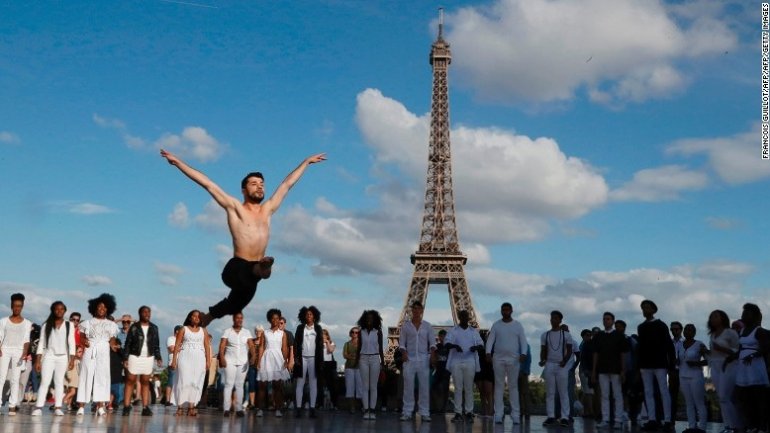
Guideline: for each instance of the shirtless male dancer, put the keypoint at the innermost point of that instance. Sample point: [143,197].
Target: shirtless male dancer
[249,224]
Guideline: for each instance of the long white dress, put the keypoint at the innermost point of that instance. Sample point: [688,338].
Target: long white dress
[94,381]
[272,366]
[190,368]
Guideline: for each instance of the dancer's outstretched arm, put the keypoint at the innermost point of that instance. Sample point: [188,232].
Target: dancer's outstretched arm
[222,198]
[280,193]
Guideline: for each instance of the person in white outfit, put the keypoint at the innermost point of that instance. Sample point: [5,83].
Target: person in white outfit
[751,377]
[235,348]
[723,342]
[192,359]
[14,346]
[416,342]
[273,361]
[691,362]
[370,359]
[506,348]
[556,356]
[98,336]
[55,355]
[464,344]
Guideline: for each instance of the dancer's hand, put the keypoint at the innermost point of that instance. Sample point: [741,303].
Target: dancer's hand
[316,158]
[170,157]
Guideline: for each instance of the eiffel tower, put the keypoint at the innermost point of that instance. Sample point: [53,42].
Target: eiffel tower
[438,259]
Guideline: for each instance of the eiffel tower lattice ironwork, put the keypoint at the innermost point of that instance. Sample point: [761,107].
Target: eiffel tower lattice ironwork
[438,259]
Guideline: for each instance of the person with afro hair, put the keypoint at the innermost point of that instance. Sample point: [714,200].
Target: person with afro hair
[98,338]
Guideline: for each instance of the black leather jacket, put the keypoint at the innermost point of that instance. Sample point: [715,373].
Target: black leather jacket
[135,341]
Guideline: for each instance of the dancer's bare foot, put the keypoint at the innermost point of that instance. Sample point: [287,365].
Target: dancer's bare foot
[264,267]
[206,318]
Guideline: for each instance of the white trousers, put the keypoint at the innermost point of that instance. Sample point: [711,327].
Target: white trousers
[506,369]
[417,368]
[658,375]
[9,361]
[556,381]
[462,376]
[52,367]
[607,383]
[724,381]
[694,390]
[308,373]
[369,366]
[353,383]
[235,377]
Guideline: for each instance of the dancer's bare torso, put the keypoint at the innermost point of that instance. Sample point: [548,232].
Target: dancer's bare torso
[250,228]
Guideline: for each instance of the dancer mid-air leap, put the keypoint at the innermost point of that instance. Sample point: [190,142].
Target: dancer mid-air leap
[249,224]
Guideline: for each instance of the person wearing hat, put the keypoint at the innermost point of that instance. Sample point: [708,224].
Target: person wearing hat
[656,358]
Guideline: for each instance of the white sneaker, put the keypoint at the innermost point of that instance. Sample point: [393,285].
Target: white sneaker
[58,412]
[278,413]
[602,424]
[259,413]
[366,414]
[81,411]
[516,420]
[425,418]
[37,412]
[406,417]
[100,411]
[372,415]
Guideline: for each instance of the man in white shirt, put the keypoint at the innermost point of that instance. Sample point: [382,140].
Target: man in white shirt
[170,342]
[416,342]
[463,343]
[556,357]
[14,345]
[507,349]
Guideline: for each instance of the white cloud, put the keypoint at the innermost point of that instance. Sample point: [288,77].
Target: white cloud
[80,208]
[9,138]
[118,125]
[735,159]
[194,142]
[179,217]
[212,218]
[660,184]
[723,223]
[97,280]
[167,273]
[548,50]
[503,180]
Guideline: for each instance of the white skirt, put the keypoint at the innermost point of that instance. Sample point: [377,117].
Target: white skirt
[140,365]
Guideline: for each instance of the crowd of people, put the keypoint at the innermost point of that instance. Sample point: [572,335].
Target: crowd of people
[114,365]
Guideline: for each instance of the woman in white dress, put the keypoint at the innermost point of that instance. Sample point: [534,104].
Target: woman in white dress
[273,360]
[191,361]
[97,336]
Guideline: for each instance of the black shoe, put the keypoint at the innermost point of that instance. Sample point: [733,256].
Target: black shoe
[167,404]
[457,418]
[668,427]
[469,416]
[298,413]
[146,411]
[549,422]
[312,413]
[240,414]
[650,426]
[564,422]
[126,410]
[226,413]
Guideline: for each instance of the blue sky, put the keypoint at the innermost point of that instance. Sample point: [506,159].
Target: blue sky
[604,152]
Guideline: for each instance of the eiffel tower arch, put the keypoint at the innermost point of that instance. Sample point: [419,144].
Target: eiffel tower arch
[438,259]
